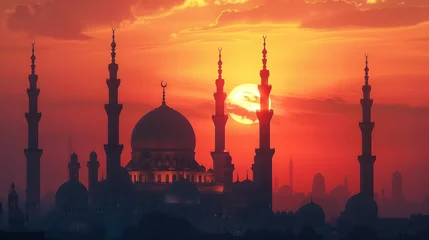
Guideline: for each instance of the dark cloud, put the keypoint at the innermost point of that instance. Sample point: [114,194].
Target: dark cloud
[68,19]
[331,14]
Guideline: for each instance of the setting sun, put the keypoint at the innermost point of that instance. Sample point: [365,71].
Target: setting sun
[243,102]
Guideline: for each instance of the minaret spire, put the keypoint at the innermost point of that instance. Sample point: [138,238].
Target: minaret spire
[263,166]
[113,109]
[33,153]
[74,167]
[164,103]
[222,160]
[366,160]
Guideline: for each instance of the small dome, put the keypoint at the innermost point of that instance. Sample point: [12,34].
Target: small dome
[93,155]
[182,191]
[163,128]
[210,171]
[311,214]
[361,207]
[72,194]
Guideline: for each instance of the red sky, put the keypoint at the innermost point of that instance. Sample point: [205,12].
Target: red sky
[315,55]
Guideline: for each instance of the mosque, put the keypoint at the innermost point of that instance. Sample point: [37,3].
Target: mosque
[163,173]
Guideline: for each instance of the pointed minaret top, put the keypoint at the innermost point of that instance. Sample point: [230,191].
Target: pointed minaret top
[264,53]
[366,69]
[238,178]
[219,63]
[247,174]
[33,59]
[163,92]
[13,186]
[290,162]
[113,45]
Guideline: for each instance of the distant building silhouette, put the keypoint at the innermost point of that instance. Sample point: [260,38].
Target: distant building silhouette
[32,152]
[318,187]
[263,161]
[15,215]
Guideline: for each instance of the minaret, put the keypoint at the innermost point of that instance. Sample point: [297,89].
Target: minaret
[93,164]
[366,160]
[291,174]
[113,109]
[74,167]
[33,153]
[222,161]
[263,162]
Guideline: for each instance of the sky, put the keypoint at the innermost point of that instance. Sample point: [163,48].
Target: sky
[316,55]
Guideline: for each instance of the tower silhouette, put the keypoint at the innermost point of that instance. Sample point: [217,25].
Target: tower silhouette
[93,164]
[397,193]
[74,167]
[263,161]
[222,161]
[291,174]
[113,109]
[33,153]
[366,160]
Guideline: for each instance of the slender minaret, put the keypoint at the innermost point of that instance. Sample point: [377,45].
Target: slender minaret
[366,160]
[291,174]
[33,153]
[222,161]
[263,162]
[113,109]
[74,167]
[93,164]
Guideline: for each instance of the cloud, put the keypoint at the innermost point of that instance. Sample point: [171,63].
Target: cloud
[68,19]
[330,14]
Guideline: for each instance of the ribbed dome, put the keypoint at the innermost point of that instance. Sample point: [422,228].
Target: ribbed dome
[361,207]
[182,191]
[72,194]
[163,128]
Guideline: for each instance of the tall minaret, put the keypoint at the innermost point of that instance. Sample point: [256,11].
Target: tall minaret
[74,167]
[263,162]
[291,174]
[33,153]
[113,109]
[366,160]
[93,164]
[222,161]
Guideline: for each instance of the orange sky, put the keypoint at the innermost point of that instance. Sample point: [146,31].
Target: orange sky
[315,55]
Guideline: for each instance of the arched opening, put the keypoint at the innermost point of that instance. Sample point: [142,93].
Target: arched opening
[159,178]
[174,177]
[167,178]
[200,178]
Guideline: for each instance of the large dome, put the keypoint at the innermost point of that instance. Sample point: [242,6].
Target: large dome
[311,214]
[72,195]
[163,128]
[361,208]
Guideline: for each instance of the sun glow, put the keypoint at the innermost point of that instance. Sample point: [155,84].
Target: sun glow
[243,102]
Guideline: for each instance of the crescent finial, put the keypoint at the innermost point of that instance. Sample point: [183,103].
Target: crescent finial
[163,85]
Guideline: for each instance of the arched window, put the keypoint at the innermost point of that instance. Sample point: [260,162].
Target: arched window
[167,178]
[205,178]
[159,178]
[192,178]
[174,177]
[187,176]
[135,178]
[200,178]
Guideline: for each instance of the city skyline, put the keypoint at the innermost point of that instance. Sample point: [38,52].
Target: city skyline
[312,105]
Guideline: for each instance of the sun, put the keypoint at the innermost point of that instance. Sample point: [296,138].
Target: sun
[243,102]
